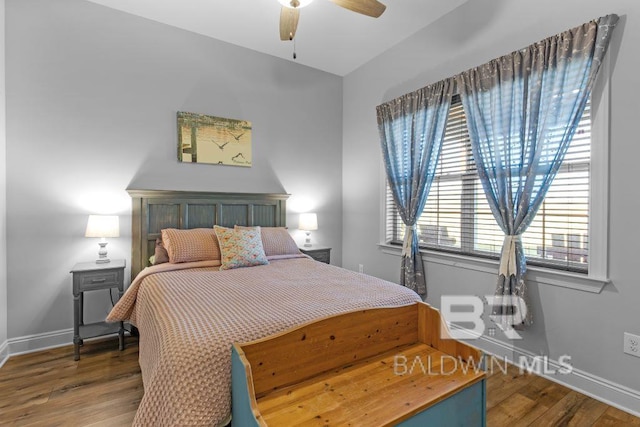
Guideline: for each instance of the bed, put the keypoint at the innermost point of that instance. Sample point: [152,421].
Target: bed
[189,314]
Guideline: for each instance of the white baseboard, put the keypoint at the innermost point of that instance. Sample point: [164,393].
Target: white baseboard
[38,342]
[616,395]
[4,352]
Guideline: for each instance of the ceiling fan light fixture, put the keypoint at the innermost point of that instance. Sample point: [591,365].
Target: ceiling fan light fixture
[294,4]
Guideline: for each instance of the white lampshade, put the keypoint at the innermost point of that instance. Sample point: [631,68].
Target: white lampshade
[103,226]
[308,222]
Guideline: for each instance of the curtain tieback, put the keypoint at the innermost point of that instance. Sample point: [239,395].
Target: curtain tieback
[508,266]
[408,239]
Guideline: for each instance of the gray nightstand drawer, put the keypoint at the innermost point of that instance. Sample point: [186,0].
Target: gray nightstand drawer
[89,281]
[320,254]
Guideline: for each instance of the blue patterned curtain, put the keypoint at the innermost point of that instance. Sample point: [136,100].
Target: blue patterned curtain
[411,132]
[522,111]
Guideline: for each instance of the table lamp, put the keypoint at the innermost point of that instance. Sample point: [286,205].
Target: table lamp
[103,226]
[308,223]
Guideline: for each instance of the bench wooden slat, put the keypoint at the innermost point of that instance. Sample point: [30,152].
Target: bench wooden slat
[370,392]
[298,354]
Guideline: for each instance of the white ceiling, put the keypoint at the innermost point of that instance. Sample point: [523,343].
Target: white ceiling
[328,38]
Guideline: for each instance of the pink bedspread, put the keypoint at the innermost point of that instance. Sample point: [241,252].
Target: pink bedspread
[189,317]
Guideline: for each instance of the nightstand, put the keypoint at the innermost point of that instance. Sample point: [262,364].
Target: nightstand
[319,253]
[90,276]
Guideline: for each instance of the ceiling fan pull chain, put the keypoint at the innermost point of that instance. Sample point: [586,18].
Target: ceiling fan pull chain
[294,48]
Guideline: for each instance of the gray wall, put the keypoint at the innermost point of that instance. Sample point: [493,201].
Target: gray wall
[92,96]
[3,191]
[588,327]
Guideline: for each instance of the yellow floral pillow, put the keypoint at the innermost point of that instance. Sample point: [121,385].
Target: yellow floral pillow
[241,247]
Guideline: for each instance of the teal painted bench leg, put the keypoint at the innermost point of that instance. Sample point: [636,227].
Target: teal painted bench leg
[242,415]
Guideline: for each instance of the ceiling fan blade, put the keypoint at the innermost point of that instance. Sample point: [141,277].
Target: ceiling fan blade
[371,8]
[288,22]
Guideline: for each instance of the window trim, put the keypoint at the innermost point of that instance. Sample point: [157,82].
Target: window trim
[599,174]
[597,277]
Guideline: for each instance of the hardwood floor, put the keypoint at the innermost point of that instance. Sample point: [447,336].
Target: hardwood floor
[104,389]
[529,400]
[48,388]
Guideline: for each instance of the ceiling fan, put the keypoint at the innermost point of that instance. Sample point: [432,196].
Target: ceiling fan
[290,12]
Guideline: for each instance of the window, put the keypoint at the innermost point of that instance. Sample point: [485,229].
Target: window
[457,218]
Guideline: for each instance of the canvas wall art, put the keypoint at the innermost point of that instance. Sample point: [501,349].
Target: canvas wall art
[213,140]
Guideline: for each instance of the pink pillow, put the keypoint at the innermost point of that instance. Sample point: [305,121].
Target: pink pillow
[197,244]
[276,241]
[240,247]
[161,255]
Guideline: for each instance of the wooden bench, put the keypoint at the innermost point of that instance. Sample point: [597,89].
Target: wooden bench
[376,367]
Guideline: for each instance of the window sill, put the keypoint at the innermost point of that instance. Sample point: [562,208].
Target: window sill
[535,274]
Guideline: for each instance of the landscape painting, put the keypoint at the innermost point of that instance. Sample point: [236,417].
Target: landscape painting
[213,140]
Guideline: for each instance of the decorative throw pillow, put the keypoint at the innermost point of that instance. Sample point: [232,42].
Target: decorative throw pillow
[161,255]
[241,247]
[276,241]
[197,244]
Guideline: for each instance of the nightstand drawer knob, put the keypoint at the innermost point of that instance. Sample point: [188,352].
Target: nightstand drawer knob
[98,280]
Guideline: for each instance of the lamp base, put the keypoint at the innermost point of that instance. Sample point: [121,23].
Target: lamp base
[102,253]
[307,241]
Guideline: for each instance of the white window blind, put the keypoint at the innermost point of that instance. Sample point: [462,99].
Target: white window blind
[457,218]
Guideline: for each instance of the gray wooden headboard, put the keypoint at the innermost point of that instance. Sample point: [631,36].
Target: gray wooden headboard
[154,210]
